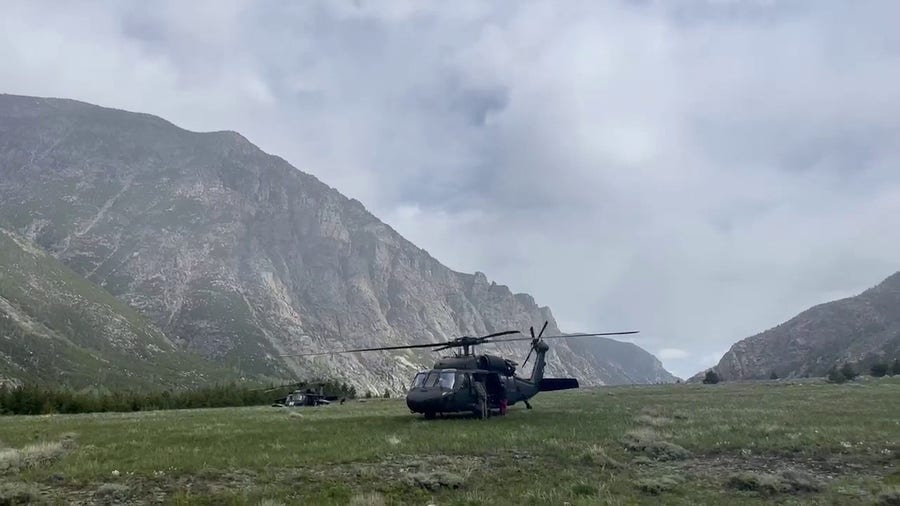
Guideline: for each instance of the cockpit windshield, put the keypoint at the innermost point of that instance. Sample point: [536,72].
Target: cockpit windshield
[444,379]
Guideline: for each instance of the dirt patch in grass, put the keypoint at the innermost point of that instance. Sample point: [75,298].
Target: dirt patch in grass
[434,480]
[428,472]
[112,493]
[824,469]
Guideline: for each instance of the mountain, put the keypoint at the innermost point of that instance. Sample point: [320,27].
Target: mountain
[57,327]
[237,256]
[861,329]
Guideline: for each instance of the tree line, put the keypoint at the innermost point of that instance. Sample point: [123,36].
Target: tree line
[41,400]
[845,372]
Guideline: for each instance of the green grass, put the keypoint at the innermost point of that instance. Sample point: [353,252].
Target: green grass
[755,443]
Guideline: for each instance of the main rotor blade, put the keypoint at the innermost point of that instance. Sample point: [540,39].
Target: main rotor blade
[382,348]
[541,333]
[565,335]
[272,389]
[498,334]
[591,335]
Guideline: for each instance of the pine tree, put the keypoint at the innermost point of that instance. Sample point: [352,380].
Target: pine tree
[880,369]
[711,377]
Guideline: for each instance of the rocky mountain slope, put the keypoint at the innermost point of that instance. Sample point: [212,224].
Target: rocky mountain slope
[57,327]
[240,257]
[861,329]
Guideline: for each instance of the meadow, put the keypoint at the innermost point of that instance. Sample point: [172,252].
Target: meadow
[781,442]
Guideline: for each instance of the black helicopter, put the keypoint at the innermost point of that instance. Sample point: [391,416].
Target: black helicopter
[303,394]
[478,383]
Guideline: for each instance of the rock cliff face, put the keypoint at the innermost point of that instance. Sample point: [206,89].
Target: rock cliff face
[57,327]
[861,329]
[240,257]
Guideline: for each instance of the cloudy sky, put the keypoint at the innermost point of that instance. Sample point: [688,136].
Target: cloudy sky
[698,170]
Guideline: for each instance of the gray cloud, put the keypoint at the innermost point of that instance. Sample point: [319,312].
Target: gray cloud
[700,170]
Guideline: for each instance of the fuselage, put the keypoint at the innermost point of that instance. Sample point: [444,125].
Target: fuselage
[453,390]
[451,386]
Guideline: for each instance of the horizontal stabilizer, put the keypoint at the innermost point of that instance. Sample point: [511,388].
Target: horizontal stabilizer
[551,384]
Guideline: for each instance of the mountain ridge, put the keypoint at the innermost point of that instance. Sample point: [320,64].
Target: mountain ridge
[237,255]
[860,329]
[57,327]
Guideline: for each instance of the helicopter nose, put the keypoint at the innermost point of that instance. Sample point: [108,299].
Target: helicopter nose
[422,401]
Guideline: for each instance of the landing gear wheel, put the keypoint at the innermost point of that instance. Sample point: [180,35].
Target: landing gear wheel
[481,406]
[429,415]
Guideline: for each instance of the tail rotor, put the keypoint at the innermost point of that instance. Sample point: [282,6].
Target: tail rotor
[534,341]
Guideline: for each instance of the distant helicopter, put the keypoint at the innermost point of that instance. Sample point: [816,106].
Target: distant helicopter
[478,383]
[301,396]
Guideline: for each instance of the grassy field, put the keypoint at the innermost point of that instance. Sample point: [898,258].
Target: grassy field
[811,443]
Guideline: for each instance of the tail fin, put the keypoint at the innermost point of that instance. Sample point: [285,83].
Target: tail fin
[551,384]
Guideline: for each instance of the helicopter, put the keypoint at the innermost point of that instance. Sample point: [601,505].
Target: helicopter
[481,384]
[301,396]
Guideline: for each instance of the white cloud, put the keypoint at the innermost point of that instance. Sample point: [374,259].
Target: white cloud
[671,353]
[698,170]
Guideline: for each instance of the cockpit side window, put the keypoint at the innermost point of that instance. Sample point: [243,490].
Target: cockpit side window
[433,378]
[448,378]
[418,381]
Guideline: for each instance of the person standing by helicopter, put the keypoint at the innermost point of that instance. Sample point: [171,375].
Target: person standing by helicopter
[502,399]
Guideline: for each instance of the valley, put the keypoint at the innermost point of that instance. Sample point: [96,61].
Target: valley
[806,442]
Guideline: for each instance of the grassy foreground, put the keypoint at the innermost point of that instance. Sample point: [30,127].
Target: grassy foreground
[756,443]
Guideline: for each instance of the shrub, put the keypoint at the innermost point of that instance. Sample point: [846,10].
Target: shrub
[880,369]
[889,497]
[773,376]
[658,484]
[18,493]
[434,480]
[788,481]
[848,371]
[835,376]
[754,482]
[649,443]
[711,377]
[584,489]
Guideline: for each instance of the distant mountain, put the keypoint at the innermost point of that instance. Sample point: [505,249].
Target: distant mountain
[56,327]
[861,329]
[236,255]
